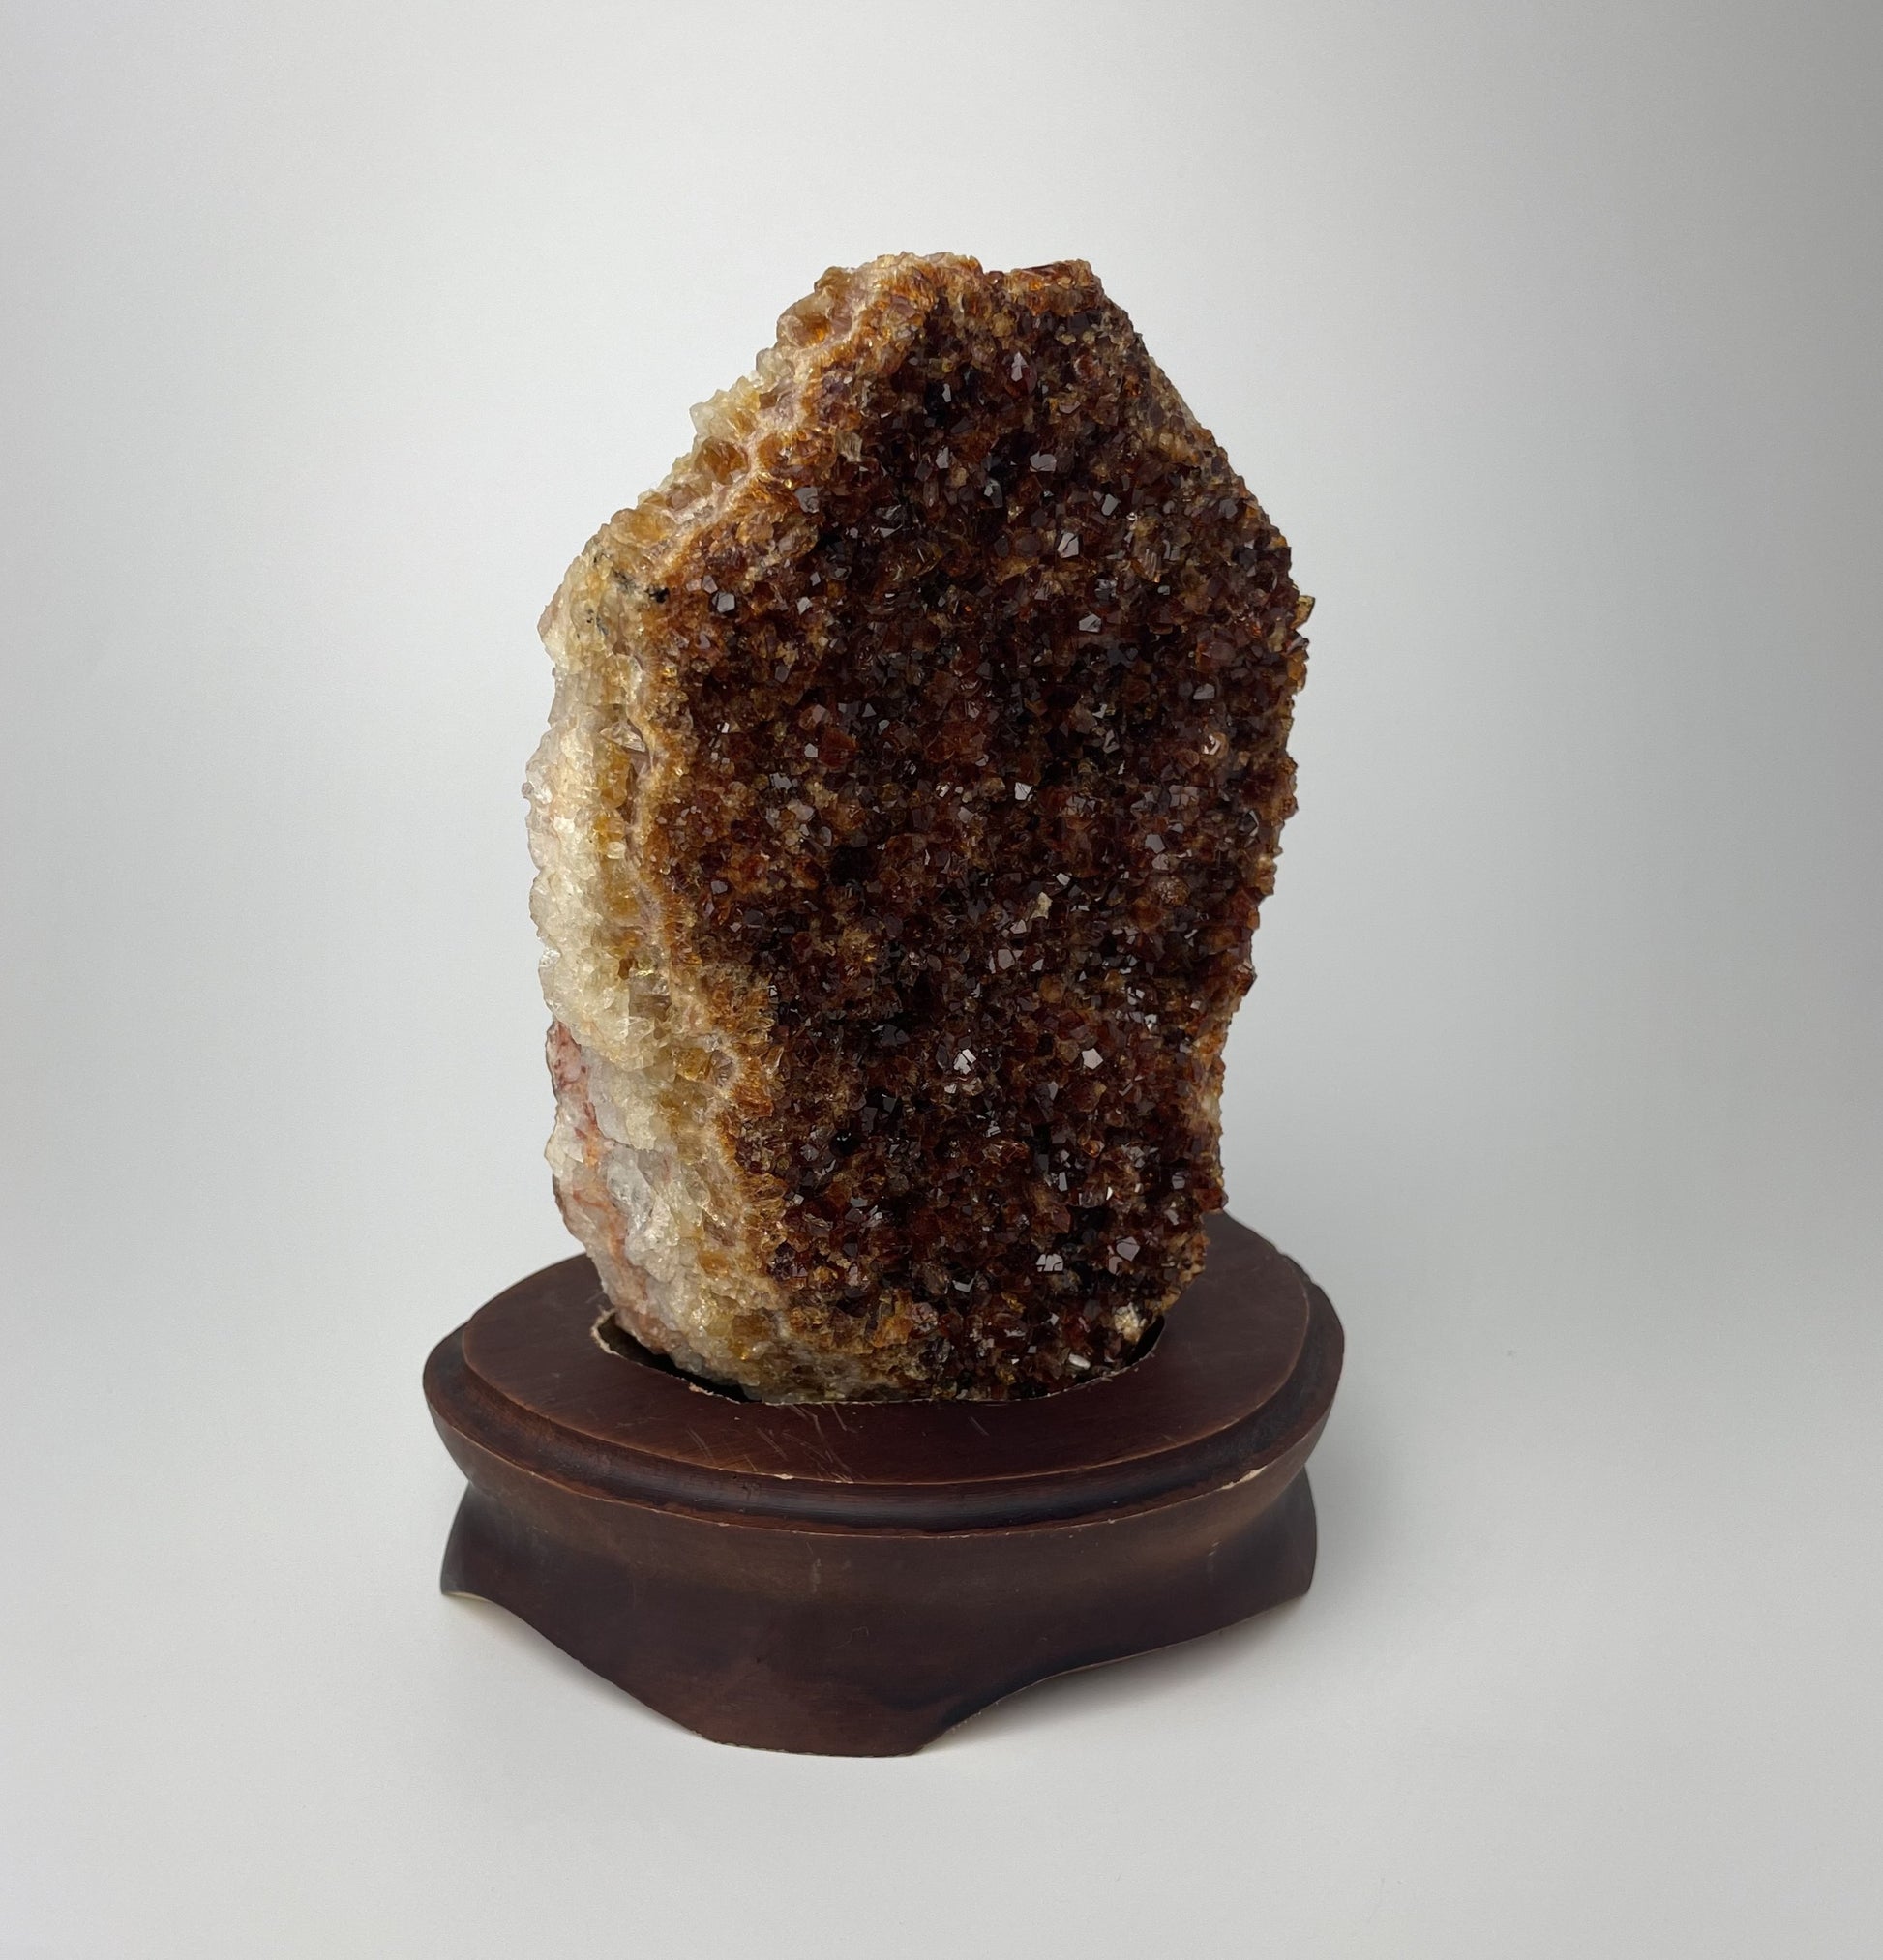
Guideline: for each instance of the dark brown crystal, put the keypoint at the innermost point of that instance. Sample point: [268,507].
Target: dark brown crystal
[969,670]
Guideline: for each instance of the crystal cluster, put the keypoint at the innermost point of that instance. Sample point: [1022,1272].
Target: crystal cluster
[917,767]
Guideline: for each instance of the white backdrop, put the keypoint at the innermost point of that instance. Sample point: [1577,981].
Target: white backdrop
[327,336]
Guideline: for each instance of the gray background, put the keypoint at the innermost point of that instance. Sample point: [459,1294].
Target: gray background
[1548,334]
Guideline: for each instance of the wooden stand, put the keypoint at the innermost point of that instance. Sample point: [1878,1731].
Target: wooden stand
[851,1579]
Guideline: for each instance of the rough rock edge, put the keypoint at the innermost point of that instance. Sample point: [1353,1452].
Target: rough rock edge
[643,1074]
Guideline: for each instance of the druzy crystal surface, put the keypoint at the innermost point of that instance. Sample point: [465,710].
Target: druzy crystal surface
[917,767]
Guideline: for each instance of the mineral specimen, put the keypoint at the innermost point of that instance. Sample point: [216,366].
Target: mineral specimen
[917,767]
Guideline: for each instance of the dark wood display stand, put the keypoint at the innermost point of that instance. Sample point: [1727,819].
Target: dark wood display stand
[851,1579]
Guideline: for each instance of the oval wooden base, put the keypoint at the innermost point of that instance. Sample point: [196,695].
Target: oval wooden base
[851,1579]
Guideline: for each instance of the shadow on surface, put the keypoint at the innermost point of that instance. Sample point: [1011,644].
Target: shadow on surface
[1355,1529]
